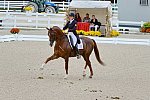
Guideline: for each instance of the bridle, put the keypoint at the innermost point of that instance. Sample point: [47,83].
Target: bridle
[53,32]
[54,36]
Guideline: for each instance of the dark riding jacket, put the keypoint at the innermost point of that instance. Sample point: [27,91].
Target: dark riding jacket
[71,26]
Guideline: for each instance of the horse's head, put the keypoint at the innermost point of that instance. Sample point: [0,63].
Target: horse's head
[51,35]
[54,34]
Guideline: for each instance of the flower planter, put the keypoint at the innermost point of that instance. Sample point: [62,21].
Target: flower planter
[114,33]
[14,32]
[148,30]
[146,27]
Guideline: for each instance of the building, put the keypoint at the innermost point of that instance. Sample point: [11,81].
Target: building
[134,10]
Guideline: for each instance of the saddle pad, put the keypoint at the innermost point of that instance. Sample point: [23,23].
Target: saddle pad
[80,46]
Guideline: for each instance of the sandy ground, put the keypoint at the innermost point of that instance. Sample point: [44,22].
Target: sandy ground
[126,76]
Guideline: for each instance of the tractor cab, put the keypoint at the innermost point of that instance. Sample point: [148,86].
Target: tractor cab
[49,4]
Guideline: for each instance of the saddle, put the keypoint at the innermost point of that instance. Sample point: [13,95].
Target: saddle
[79,43]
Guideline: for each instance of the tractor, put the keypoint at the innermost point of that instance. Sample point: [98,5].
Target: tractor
[42,6]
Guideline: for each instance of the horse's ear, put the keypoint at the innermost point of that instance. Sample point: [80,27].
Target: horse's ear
[47,28]
[51,29]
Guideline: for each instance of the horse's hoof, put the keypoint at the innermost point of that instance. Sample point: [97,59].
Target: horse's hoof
[84,75]
[90,76]
[66,76]
[41,69]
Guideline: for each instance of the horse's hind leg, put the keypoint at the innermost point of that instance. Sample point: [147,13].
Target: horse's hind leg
[90,67]
[66,68]
[54,56]
[84,70]
[89,64]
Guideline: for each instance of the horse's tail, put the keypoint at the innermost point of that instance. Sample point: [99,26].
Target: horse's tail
[97,54]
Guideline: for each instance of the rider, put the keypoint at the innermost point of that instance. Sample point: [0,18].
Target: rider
[72,34]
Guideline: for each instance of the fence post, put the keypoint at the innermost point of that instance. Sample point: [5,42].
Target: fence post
[4,4]
[68,2]
[142,23]
[63,5]
[117,25]
[36,19]
[8,5]
[15,20]
[116,40]
[23,3]
[6,15]
[48,22]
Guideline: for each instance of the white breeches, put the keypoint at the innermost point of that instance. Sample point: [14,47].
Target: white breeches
[96,26]
[74,38]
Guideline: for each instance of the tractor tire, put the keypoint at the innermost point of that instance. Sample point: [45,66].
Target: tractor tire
[50,9]
[34,7]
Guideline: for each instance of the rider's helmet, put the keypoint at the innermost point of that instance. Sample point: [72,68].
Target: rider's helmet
[71,14]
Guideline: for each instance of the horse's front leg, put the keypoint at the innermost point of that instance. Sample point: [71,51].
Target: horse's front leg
[66,67]
[54,56]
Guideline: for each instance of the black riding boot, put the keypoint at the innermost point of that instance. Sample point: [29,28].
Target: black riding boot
[77,52]
[75,48]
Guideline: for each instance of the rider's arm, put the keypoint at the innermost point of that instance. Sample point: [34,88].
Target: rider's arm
[72,26]
[66,26]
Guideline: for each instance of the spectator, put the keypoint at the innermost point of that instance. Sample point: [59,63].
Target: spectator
[87,18]
[77,17]
[95,25]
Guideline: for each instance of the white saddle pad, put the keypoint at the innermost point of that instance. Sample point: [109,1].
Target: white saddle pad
[80,46]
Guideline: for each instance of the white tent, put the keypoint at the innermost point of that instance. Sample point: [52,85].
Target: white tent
[90,4]
[101,9]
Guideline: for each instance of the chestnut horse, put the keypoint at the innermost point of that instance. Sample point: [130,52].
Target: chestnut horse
[63,49]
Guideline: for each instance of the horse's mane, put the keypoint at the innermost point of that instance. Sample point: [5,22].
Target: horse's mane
[56,28]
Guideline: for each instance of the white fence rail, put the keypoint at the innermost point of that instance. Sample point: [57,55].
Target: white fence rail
[127,26]
[97,39]
[7,5]
[31,20]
